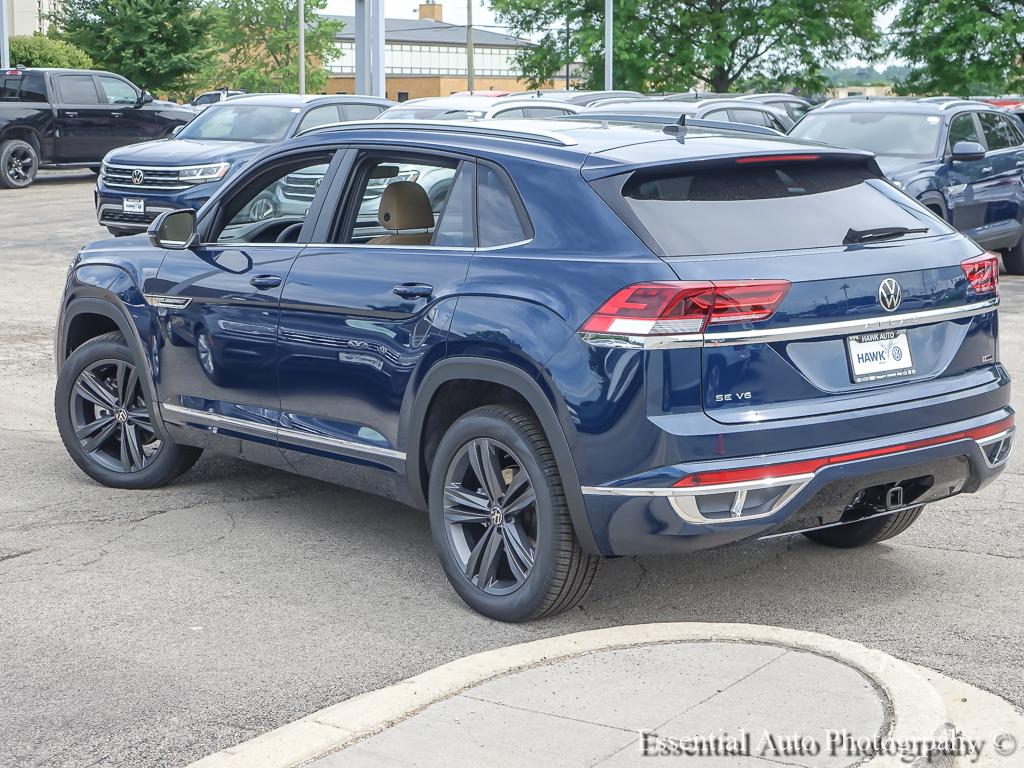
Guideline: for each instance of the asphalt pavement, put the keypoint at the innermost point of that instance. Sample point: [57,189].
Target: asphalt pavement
[148,629]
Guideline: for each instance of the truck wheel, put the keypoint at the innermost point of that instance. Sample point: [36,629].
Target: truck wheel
[19,164]
[1013,259]
[866,532]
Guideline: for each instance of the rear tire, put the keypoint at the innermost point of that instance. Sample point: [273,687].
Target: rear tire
[866,532]
[19,164]
[106,422]
[512,525]
[1013,259]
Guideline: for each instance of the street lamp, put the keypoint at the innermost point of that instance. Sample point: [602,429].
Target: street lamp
[302,47]
[608,24]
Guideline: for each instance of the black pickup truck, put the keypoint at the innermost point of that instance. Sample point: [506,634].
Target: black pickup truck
[71,118]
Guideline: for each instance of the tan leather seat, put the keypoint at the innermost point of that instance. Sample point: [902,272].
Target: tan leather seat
[404,205]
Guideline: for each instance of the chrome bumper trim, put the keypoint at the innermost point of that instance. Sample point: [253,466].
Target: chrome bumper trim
[791,333]
[281,433]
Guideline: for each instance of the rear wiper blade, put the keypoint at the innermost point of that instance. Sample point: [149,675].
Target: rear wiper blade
[879,233]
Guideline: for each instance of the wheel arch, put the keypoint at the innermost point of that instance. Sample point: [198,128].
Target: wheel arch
[87,317]
[935,202]
[477,372]
[24,133]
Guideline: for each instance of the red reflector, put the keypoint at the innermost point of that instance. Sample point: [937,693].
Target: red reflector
[982,273]
[775,158]
[810,466]
[647,309]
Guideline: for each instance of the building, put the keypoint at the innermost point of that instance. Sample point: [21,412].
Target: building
[842,91]
[427,57]
[27,17]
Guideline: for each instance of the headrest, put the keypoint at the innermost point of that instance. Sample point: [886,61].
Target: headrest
[405,205]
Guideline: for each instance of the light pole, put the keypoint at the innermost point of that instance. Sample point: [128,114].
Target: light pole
[5,51]
[302,48]
[608,24]
[470,77]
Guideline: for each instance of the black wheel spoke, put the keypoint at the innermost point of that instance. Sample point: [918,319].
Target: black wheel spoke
[86,431]
[96,442]
[490,559]
[520,553]
[462,506]
[520,494]
[484,461]
[135,454]
[89,387]
[473,563]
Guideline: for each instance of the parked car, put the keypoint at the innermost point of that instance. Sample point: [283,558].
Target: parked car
[583,98]
[795,106]
[726,110]
[70,118]
[205,99]
[478,108]
[608,342]
[961,159]
[183,171]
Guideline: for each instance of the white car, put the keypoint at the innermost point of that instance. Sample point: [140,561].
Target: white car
[478,108]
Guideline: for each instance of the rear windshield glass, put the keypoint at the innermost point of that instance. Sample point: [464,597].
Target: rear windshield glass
[767,207]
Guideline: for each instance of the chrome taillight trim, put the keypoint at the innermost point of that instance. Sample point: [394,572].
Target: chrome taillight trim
[791,333]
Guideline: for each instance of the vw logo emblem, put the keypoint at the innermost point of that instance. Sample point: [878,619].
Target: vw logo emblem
[316,184]
[138,176]
[890,295]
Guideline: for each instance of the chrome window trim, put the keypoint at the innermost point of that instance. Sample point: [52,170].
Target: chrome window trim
[791,333]
[241,245]
[293,435]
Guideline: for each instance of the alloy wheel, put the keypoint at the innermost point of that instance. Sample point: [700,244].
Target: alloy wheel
[110,417]
[19,164]
[490,514]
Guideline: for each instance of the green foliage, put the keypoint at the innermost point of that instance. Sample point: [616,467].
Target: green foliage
[707,44]
[156,44]
[258,44]
[960,47]
[39,51]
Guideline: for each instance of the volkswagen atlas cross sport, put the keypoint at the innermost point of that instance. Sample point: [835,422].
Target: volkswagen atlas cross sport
[609,340]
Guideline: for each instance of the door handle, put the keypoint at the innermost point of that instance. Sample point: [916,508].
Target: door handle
[263,282]
[70,114]
[987,169]
[117,114]
[414,290]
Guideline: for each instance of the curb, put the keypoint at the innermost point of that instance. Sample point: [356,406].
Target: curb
[917,708]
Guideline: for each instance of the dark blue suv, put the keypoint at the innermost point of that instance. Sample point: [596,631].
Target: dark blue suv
[139,182]
[962,159]
[608,340]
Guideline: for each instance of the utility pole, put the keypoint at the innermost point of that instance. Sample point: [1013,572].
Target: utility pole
[568,51]
[5,51]
[608,25]
[470,77]
[378,79]
[302,47]
[362,48]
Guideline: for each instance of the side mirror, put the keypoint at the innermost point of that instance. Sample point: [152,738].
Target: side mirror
[175,230]
[176,130]
[966,151]
[147,97]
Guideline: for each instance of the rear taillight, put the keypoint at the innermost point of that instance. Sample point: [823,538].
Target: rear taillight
[982,273]
[650,309]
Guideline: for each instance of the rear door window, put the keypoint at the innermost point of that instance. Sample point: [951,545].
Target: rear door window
[77,89]
[998,134]
[767,207]
[360,111]
[320,116]
[749,116]
[33,87]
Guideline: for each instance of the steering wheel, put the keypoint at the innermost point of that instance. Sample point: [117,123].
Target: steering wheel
[289,234]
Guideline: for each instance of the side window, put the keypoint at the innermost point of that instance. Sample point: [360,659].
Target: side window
[77,89]
[320,116]
[457,225]
[963,128]
[546,112]
[774,122]
[33,87]
[748,116]
[273,206]
[500,216]
[360,111]
[397,199]
[997,133]
[117,91]
[1015,130]
[718,114]
[796,109]
[9,88]
[509,114]
[206,98]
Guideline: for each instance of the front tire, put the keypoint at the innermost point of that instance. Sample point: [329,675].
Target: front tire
[499,519]
[106,423]
[867,531]
[1013,259]
[19,164]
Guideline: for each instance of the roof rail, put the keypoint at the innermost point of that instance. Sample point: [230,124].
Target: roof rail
[483,128]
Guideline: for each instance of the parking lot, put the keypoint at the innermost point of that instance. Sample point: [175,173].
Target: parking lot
[152,628]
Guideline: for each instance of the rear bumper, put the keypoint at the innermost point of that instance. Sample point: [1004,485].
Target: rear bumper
[708,504]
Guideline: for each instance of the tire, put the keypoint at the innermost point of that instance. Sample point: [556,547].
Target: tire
[466,526]
[866,532]
[115,232]
[1013,259]
[111,436]
[19,164]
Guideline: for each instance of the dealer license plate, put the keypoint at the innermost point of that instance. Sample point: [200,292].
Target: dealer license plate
[882,355]
[133,205]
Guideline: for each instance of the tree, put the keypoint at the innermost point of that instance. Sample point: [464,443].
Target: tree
[960,46]
[39,51]
[682,44]
[259,47]
[156,44]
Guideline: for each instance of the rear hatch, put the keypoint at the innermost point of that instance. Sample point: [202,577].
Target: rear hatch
[884,301]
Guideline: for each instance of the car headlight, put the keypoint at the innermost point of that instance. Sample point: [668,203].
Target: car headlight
[203,173]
